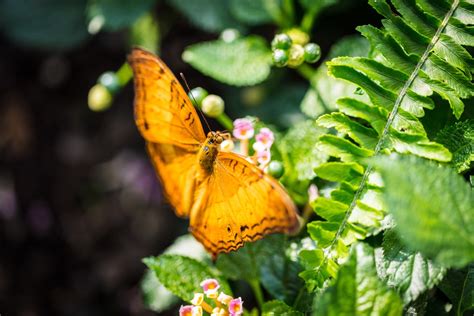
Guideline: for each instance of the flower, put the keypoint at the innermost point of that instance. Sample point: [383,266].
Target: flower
[224,298]
[218,311]
[265,137]
[243,129]
[263,157]
[210,287]
[227,145]
[190,310]
[235,307]
[197,299]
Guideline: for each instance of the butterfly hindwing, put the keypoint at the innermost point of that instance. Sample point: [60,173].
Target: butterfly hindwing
[163,111]
[239,203]
[177,169]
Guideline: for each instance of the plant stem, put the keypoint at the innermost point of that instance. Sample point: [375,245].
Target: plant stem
[124,74]
[306,72]
[225,121]
[307,21]
[257,291]
[307,211]
[289,11]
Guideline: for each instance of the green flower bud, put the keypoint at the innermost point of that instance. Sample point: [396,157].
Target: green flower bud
[276,169]
[281,41]
[198,94]
[230,35]
[312,52]
[110,80]
[99,98]
[213,105]
[298,36]
[280,57]
[296,56]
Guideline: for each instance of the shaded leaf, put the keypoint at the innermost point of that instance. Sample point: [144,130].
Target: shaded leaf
[357,289]
[458,285]
[443,203]
[406,271]
[459,139]
[273,308]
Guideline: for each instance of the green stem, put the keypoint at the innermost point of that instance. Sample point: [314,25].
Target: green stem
[308,21]
[225,121]
[289,11]
[306,72]
[124,74]
[257,291]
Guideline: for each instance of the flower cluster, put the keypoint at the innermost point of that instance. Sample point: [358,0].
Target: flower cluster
[244,130]
[225,305]
[293,48]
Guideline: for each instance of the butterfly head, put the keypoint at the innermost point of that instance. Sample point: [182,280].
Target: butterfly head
[216,138]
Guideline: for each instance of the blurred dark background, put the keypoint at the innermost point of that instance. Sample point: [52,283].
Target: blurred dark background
[79,201]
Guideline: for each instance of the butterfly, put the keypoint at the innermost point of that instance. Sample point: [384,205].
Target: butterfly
[228,200]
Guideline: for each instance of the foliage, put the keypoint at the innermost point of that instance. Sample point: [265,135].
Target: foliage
[393,222]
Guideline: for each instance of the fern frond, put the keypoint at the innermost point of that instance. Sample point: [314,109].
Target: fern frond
[418,54]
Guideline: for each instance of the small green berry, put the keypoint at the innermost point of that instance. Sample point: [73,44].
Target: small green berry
[298,36]
[230,35]
[280,57]
[110,80]
[213,105]
[198,94]
[281,41]
[276,169]
[99,98]
[312,53]
[296,56]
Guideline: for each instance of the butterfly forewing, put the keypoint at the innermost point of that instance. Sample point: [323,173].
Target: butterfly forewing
[163,111]
[239,203]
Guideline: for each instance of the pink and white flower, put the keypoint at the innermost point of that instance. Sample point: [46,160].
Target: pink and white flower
[190,310]
[263,157]
[210,287]
[243,129]
[265,137]
[235,307]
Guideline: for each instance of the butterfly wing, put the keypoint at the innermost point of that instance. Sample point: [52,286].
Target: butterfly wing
[163,111]
[239,203]
[169,123]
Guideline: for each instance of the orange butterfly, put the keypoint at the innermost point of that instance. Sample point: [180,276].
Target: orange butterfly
[229,200]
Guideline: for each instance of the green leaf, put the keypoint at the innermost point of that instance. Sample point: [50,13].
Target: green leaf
[273,308]
[339,171]
[432,207]
[458,285]
[459,139]
[357,289]
[406,271]
[299,152]
[182,275]
[209,15]
[252,12]
[155,296]
[47,24]
[265,261]
[321,97]
[243,62]
[118,14]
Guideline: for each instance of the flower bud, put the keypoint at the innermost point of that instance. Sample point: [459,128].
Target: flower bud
[276,169]
[296,56]
[198,94]
[280,57]
[213,105]
[281,41]
[227,145]
[230,35]
[298,36]
[99,98]
[312,52]
[110,80]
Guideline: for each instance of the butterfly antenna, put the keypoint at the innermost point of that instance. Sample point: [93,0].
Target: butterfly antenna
[194,100]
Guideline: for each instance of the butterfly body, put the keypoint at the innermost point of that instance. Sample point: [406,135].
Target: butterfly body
[229,200]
